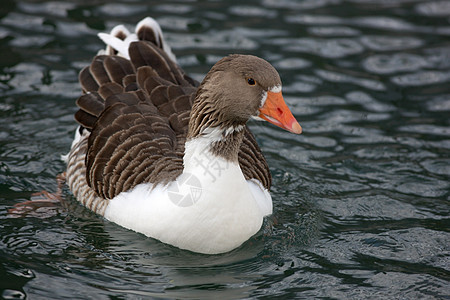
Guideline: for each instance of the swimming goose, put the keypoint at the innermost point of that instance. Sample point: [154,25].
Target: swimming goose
[163,155]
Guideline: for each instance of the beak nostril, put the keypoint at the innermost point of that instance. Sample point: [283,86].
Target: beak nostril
[280,112]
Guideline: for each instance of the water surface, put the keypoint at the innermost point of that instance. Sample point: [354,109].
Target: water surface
[361,198]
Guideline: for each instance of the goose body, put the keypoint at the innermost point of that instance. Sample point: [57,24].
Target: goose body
[161,154]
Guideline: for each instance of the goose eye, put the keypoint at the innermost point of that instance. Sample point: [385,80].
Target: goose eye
[251,81]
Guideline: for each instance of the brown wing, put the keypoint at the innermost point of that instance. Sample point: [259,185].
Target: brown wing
[138,112]
[252,161]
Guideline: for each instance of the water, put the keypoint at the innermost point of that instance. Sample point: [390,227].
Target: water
[361,197]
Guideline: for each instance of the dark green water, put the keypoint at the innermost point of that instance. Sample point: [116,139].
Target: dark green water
[361,197]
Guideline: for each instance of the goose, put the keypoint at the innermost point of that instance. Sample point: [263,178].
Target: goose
[161,154]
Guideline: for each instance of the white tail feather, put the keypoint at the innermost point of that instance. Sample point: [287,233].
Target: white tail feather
[121,46]
[150,22]
[119,28]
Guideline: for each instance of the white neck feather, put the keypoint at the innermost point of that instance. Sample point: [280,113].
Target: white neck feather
[200,145]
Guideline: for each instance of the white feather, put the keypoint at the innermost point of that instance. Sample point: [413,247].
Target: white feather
[76,139]
[120,45]
[275,89]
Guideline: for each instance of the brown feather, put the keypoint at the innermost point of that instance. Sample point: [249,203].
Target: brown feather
[87,81]
[117,68]
[91,103]
[98,71]
[85,119]
[110,89]
[147,54]
[144,74]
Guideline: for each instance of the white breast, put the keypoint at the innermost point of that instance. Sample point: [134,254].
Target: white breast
[210,208]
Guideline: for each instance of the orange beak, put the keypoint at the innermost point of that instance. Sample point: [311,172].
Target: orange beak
[276,112]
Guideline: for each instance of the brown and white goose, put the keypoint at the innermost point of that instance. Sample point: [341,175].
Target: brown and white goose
[160,154]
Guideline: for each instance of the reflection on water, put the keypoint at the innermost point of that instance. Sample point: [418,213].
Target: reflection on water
[361,197]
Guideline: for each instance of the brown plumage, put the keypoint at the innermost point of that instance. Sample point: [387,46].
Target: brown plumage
[138,111]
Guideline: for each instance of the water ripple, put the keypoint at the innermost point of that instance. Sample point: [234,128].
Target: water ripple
[396,63]
[423,187]
[382,22]
[333,31]
[296,5]
[387,43]
[314,19]
[421,78]
[339,77]
[439,103]
[292,64]
[426,129]
[178,9]
[252,11]
[53,8]
[120,10]
[434,8]
[182,23]
[439,57]
[370,103]
[437,166]
[27,22]
[230,40]
[329,48]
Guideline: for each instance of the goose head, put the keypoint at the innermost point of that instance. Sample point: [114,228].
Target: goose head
[236,89]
